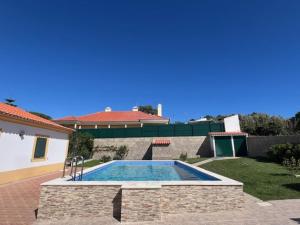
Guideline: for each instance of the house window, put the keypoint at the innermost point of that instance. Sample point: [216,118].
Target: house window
[40,149]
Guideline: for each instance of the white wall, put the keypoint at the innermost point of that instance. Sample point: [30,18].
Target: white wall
[232,124]
[16,153]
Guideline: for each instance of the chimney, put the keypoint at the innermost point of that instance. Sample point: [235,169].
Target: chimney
[135,108]
[107,109]
[159,109]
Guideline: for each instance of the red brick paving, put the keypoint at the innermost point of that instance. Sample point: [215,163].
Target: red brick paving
[18,200]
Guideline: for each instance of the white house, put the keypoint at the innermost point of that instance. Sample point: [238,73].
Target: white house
[29,145]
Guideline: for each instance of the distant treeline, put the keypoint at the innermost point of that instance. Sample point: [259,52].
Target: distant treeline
[263,124]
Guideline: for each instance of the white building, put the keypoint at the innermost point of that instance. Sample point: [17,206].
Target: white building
[29,145]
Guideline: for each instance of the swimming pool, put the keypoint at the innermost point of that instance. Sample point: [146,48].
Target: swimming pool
[146,171]
[139,190]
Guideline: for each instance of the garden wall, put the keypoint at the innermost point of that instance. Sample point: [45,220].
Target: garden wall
[259,145]
[141,148]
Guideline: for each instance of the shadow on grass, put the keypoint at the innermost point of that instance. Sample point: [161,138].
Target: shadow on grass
[262,159]
[294,186]
[281,174]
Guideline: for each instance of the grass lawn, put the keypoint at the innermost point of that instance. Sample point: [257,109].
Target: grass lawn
[263,179]
[92,163]
[194,160]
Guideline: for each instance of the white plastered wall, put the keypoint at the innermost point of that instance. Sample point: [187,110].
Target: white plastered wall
[232,124]
[16,152]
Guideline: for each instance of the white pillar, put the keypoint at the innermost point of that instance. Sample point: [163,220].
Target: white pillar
[108,126]
[214,146]
[159,109]
[125,125]
[141,124]
[96,126]
[232,145]
[79,127]
[75,126]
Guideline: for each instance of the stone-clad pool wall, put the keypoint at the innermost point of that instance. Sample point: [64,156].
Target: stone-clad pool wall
[141,148]
[137,202]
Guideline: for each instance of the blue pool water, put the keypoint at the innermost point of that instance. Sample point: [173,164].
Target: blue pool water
[146,171]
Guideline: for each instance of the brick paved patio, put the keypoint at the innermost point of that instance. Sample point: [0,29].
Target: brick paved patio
[19,200]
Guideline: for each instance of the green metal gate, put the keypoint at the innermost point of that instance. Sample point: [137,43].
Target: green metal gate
[223,146]
[240,145]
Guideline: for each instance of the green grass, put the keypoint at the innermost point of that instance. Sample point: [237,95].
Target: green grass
[92,163]
[195,160]
[263,179]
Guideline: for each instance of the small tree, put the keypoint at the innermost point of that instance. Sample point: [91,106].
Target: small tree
[81,144]
[148,109]
[10,101]
[183,156]
[121,152]
[292,164]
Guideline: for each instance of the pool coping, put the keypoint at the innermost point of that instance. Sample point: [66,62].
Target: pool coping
[223,181]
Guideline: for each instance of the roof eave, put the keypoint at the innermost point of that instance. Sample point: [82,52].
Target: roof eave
[155,121]
[16,119]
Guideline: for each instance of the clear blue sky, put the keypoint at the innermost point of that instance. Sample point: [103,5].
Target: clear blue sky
[195,57]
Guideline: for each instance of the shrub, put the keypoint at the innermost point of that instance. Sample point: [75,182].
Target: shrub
[105,158]
[81,144]
[121,152]
[104,148]
[183,156]
[280,152]
[296,151]
[292,164]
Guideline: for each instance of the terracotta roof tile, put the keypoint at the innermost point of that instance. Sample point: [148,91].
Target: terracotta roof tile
[161,142]
[113,117]
[20,114]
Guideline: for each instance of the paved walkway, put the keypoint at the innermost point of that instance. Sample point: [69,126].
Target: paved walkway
[18,200]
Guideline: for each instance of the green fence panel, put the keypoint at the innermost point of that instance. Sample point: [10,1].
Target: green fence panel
[133,132]
[217,127]
[166,131]
[150,131]
[183,130]
[170,130]
[93,132]
[201,129]
[108,133]
[118,132]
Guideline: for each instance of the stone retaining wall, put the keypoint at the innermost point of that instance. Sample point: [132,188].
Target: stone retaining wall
[259,145]
[135,204]
[141,148]
[58,201]
[141,204]
[198,198]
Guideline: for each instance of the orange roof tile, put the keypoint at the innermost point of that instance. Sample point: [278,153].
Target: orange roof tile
[21,115]
[161,142]
[113,117]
